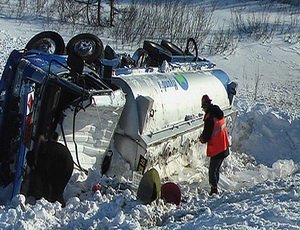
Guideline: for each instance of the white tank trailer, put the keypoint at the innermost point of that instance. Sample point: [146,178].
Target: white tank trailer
[162,118]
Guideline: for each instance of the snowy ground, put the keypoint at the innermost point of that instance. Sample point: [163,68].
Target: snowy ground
[260,180]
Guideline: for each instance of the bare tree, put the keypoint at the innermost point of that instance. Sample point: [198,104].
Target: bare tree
[113,12]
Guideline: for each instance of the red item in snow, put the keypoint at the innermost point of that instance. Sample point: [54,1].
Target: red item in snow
[96,187]
[170,193]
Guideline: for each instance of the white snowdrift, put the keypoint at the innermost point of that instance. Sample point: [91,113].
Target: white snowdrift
[267,134]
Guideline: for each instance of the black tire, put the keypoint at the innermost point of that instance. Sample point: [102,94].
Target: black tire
[88,46]
[156,53]
[175,50]
[139,57]
[47,41]
[191,48]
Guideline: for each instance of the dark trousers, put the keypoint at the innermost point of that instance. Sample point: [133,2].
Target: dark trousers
[214,167]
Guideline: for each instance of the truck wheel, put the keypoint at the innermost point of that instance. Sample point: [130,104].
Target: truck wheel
[175,50]
[88,46]
[156,53]
[47,41]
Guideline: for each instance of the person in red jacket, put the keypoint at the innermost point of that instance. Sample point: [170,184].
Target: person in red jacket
[216,137]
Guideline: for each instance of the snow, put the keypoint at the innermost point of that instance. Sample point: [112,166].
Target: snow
[260,180]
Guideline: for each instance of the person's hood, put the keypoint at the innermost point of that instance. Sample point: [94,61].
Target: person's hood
[216,112]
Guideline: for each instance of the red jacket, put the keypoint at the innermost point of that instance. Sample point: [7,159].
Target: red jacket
[215,132]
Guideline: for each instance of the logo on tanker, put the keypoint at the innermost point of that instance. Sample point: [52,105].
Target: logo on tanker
[181,80]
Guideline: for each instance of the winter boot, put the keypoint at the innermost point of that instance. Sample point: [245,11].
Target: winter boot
[213,190]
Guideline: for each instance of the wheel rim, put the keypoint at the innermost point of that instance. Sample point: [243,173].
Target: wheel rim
[85,48]
[46,45]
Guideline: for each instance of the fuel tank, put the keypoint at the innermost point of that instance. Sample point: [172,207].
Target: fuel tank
[164,106]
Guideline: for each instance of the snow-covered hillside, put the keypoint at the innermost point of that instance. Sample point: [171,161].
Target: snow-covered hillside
[260,180]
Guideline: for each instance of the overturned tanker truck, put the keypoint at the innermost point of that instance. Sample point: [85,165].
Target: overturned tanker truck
[115,113]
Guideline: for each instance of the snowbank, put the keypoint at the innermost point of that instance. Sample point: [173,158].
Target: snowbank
[267,134]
